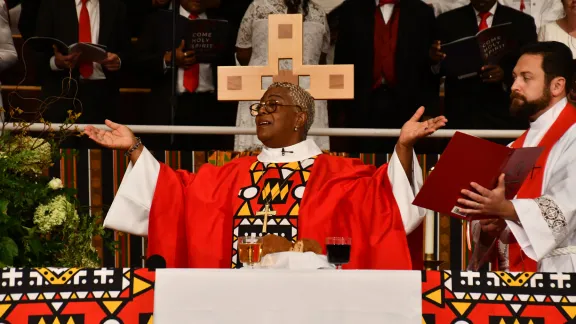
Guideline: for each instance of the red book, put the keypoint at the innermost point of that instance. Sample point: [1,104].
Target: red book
[469,159]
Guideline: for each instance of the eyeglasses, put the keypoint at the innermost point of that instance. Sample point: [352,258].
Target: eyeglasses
[270,106]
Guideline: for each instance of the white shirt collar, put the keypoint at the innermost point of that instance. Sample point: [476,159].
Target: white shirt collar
[378,2]
[186,13]
[79,2]
[297,152]
[492,10]
[540,126]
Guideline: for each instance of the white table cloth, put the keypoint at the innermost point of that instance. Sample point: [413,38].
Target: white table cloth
[287,296]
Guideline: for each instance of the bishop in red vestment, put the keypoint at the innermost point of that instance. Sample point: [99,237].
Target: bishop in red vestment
[291,189]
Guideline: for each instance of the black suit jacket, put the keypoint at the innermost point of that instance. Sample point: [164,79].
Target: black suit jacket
[156,40]
[471,103]
[148,59]
[59,19]
[416,84]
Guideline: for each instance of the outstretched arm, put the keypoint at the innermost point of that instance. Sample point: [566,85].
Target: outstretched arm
[411,132]
[130,210]
[404,172]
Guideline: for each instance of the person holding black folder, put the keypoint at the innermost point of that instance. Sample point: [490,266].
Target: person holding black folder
[536,230]
[96,89]
[196,102]
[387,41]
[479,100]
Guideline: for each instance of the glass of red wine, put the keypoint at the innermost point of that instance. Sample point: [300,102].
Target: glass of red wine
[338,250]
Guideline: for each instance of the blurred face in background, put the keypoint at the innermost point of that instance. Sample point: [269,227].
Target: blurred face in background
[194,6]
[569,6]
[482,5]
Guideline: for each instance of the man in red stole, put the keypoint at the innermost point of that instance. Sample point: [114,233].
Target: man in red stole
[291,189]
[536,230]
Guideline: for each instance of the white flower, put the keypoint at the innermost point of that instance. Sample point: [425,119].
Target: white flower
[55,184]
[54,214]
[38,154]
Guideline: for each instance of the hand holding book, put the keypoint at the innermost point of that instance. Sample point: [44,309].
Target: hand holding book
[65,61]
[468,181]
[436,54]
[184,58]
[488,202]
[111,63]
[492,73]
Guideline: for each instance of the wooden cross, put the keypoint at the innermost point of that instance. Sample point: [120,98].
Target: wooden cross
[285,43]
[266,212]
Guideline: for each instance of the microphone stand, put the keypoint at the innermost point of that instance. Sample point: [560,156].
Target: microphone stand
[175,44]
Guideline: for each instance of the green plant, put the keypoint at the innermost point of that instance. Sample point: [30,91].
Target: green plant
[41,221]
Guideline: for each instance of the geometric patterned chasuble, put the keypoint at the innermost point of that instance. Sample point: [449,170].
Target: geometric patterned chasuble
[282,186]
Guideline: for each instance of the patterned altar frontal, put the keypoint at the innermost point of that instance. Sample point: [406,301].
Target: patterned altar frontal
[498,298]
[123,296]
[76,296]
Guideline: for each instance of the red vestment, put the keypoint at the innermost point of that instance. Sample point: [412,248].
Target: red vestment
[532,187]
[192,218]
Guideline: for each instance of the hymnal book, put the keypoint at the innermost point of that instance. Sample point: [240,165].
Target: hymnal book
[208,38]
[469,159]
[465,56]
[90,52]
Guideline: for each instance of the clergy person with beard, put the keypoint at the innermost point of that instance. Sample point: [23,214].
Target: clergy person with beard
[193,220]
[535,231]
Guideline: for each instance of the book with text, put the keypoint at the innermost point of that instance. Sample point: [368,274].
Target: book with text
[465,56]
[208,38]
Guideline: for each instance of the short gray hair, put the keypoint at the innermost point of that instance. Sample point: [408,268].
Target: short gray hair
[301,98]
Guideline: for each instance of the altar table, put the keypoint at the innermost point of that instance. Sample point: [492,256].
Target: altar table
[123,296]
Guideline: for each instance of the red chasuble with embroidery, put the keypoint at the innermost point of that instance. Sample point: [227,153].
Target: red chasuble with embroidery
[195,219]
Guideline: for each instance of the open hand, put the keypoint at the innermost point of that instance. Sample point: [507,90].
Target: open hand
[119,137]
[488,202]
[413,129]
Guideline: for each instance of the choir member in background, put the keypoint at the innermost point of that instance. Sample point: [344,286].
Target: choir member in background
[97,88]
[252,49]
[8,55]
[543,11]
[481,101]
[387,41]
[196,102]
[563,30]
